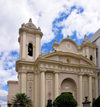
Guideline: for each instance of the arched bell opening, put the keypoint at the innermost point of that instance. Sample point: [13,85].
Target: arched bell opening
[30,49]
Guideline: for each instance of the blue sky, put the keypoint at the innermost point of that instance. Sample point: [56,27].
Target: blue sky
[56,18]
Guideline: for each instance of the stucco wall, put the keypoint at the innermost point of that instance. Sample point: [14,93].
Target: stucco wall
[12,90]
[96,39]
[98,58]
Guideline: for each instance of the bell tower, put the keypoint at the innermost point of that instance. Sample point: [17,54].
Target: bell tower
[30,41]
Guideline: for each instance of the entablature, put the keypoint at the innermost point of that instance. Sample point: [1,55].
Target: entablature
[24,66]
[60,67]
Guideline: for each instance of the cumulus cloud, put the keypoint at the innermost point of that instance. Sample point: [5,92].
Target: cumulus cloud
[7,72]
[85,22]
[43,13]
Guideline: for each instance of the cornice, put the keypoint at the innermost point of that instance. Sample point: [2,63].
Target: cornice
[91,45]
[59,53]
[15,82]
[30,30]
[24,62]
[24,65]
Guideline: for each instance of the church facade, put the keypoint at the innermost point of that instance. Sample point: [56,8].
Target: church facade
[69,68]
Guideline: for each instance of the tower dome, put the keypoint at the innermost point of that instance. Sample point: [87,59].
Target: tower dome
[30,24]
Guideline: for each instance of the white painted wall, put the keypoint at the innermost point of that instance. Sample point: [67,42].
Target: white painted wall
[96,39]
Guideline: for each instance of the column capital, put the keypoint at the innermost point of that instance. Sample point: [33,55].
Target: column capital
[56,72]
[36,73]
[22,72]
[90,75]
[96,77]
[80,74]
[42,70]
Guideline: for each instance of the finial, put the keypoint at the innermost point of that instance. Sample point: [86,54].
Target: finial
[68,36]
[55,41]
[85,37]
[30,20]
[39,28]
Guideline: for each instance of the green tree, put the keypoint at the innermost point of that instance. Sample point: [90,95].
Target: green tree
[65,100]
[21,100]
[97,102]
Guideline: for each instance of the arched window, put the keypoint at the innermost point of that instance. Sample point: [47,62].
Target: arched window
[30,49]
[91,57]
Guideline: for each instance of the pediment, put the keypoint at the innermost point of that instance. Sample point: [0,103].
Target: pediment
[69,58]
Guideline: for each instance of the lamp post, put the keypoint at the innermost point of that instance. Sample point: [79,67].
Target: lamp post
[49,104]
[9,104]
[86,103]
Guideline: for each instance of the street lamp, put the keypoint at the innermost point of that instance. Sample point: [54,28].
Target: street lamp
[86,103]
[9,104]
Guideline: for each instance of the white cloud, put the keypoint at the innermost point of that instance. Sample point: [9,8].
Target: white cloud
[83,23]
[3,98]
[7,68]
[3,93]
[43,13]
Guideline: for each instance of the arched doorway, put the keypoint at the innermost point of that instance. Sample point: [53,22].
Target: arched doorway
[69,85]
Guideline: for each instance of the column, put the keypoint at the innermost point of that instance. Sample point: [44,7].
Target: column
[80,91]
[56,85]
[90,88]
[36,90]
[96,87]
[42,89]
[23,82]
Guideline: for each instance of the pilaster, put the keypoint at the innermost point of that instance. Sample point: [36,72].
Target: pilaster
[23,82]
[87,52]
[24,45]
[42,89]
[38,45]
[80,91]
[96,87]
[56,85]
[90,88]
[36,90]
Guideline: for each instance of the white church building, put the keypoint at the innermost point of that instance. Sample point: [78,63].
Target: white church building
[69,68]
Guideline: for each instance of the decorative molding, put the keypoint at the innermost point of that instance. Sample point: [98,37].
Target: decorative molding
[49,76]
[29,88]
[30,77]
